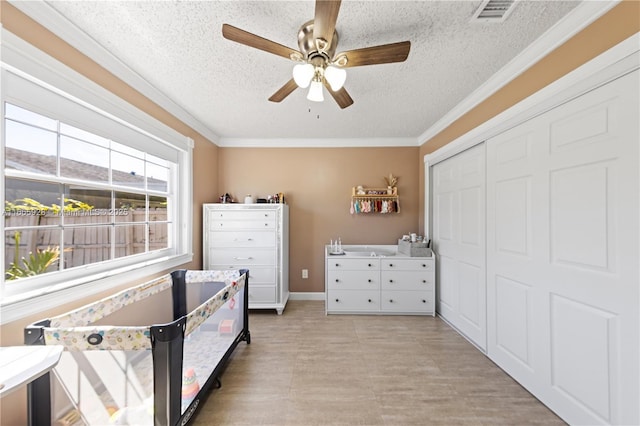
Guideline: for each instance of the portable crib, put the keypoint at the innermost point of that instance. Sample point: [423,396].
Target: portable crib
[151,374]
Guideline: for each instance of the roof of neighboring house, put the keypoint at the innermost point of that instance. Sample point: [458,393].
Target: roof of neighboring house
[38,163]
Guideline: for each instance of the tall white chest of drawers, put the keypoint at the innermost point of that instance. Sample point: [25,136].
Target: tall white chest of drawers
[252,236]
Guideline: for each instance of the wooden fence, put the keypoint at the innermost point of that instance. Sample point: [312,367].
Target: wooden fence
[88,236]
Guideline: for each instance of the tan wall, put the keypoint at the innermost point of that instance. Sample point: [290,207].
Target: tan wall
[618,24]
[317,185]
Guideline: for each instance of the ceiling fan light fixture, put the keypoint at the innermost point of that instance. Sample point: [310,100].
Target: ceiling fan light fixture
[335,77]
[303,74]
[315,92]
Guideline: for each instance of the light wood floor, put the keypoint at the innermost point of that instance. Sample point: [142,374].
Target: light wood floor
[305,368]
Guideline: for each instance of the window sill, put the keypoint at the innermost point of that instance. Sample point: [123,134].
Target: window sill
[13,309]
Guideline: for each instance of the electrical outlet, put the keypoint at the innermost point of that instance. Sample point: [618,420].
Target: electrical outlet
[305,273]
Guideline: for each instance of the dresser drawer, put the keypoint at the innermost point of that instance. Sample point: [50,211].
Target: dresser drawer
[219,225]
[406,301]
[341,263]
[353,280]
[265,294]
[242,239]
[243,215]
[407,264]
[242,257]
[257,274]
[353,300]
[406,280]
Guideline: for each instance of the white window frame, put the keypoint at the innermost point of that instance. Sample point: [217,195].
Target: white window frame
[42,292]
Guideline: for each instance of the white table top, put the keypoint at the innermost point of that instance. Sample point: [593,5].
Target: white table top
[20,365]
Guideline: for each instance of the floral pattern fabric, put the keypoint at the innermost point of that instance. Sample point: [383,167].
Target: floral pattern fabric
[75,331]
[93,312]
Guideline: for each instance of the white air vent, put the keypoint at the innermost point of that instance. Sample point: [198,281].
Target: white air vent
[493,11]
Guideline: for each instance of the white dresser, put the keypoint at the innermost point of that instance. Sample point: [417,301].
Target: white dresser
[398,284]
[252,236]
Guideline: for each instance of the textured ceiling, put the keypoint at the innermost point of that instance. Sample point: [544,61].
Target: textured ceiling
[178,47]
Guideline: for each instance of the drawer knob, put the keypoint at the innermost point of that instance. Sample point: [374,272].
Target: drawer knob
[369,280]
[337,300]
[390,281]
[391,265]
[337,264]
[370,265]
[424,266]
[424,281]
[424,301]
[369,300]
[266,224]
[390,300]
[337,280]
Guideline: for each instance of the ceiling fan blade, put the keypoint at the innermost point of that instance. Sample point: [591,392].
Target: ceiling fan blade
[324,22]
[243,37]
[383,54]
[341,96]
[284,91]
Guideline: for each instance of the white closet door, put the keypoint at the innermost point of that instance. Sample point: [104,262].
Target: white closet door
[459,240]
[562,255]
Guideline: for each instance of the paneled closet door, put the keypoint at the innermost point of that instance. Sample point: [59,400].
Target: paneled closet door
[459,240]
[562,255]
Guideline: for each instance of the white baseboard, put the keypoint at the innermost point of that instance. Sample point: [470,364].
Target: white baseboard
[306,295]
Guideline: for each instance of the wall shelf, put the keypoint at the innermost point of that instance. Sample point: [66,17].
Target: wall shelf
[375,200]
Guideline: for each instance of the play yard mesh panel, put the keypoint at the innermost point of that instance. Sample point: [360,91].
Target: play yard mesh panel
[106,373]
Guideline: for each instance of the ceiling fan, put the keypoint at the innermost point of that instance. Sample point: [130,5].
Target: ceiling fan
[318,64]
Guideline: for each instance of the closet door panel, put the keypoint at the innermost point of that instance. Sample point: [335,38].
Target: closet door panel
[447,291]
[471,295]
[562,255]
[582,217]
[513,217]
[512,268]
[459,240]
[514,320]
[581,358]
[592,143]
[444,243]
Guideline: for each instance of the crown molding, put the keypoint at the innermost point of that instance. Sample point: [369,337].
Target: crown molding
[316,143]
[575,21]
[55,22]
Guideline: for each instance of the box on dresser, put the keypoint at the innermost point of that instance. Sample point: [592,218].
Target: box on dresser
[414,249]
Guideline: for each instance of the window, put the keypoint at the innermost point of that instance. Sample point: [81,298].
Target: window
[89,196]
[73,198]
